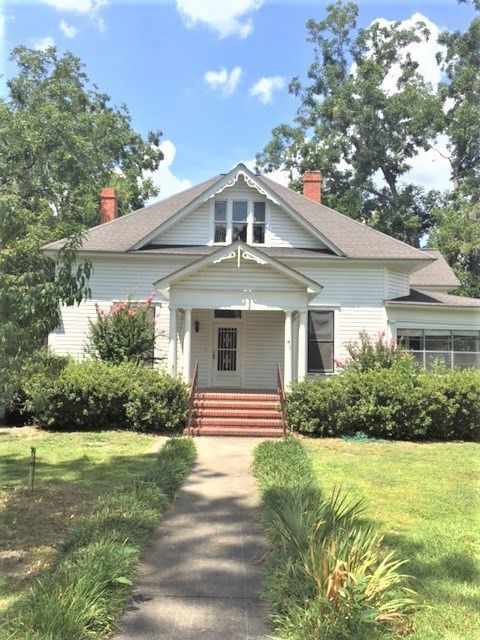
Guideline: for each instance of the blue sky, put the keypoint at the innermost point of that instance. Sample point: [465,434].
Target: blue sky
[212,74]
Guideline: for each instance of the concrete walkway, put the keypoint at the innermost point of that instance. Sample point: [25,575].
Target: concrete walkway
[202,574]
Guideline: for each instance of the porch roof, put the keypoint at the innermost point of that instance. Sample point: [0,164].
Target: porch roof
[239,250]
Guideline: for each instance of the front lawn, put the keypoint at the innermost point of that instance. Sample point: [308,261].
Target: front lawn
[425,498]
[73,471]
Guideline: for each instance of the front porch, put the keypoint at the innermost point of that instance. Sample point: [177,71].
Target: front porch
[241,315]
[238,349]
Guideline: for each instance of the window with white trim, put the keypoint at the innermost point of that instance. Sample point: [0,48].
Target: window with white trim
[239,220]
[454,348]
[220,222]
[321,338]
[244,220]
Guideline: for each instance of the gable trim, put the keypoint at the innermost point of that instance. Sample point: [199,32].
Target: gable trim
[238,250]
[218,187]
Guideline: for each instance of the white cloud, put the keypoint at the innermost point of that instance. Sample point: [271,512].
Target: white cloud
[431,169]
[44,43]
[223,80]
[424,52]
[226,17]
[77,6]
[264,88]
[68,30]
[282,176]
[164,178]
[86,7]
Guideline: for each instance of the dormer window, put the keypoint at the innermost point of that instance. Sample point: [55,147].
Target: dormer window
[259,221]
[245,220]
[220,221]
[240,220]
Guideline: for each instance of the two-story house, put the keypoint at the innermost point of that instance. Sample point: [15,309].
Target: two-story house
[248,275]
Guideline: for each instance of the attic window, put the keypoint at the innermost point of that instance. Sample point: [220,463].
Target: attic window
[240,220]
[220,221]
[259,222]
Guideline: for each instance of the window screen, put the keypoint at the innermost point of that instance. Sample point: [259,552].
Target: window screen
[320,341]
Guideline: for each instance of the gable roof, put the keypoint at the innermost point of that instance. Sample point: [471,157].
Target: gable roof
[341,233]
[436,274]
[435,299]
[312,286]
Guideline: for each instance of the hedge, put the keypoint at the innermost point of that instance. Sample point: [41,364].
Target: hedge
[402,404]
[99,395]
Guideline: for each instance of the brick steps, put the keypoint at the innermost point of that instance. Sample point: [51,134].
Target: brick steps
[224,413]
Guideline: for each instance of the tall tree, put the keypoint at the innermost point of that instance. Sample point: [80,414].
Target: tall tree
[457,225]
[365,113]
[61,141]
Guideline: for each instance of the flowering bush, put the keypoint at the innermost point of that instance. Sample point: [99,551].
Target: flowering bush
[125,333]
[374,353]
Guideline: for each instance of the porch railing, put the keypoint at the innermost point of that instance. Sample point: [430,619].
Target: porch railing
[191,399]
[283,400]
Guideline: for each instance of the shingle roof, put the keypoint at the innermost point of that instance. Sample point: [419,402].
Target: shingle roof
[436,274]
[353,239]
[121,234]
[433,298]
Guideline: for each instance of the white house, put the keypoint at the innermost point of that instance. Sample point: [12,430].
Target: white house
[248,275]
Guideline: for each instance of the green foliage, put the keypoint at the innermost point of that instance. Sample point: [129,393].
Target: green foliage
[401,403]
[61,142]
[125,333]
[98,395]
[457,235]
[328,575]
[88,587]
[358,122]
[42,364]
[368,353]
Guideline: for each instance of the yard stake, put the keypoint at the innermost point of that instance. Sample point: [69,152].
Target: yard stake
[33,460]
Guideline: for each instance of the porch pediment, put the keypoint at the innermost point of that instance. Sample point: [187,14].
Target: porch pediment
[238,276]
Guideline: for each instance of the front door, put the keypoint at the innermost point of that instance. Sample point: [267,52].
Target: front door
[226,357]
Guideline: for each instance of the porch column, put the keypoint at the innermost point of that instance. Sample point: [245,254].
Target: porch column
[302,345]
[172,342]
[187,346]
[288,360]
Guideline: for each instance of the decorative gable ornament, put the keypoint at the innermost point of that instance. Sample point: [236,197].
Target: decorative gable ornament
[250,182]
[238,254]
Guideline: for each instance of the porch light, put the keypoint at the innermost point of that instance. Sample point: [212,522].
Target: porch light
[197,326]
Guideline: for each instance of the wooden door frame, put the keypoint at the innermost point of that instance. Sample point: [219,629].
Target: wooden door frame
[240,324]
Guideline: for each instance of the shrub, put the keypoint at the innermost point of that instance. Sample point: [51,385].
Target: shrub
[125,333]
[44,364]
[402,403]
[328,575]
[369,353]
[98,395]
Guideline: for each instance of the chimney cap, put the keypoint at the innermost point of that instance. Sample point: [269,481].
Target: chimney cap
[108,192]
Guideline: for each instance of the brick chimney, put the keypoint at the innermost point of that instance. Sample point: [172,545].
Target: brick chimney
[312,185]
[108,205]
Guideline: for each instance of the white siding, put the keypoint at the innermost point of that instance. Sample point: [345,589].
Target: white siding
[113,279]
[285,231]
[194,229]
[197,227]
[250,275]
[433,318]
[396,284]
[261,347]
[356,294]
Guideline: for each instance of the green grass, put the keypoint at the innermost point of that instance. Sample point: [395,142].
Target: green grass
[425,499]
[73,545]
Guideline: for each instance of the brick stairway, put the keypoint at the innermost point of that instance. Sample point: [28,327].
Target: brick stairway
[237,413]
